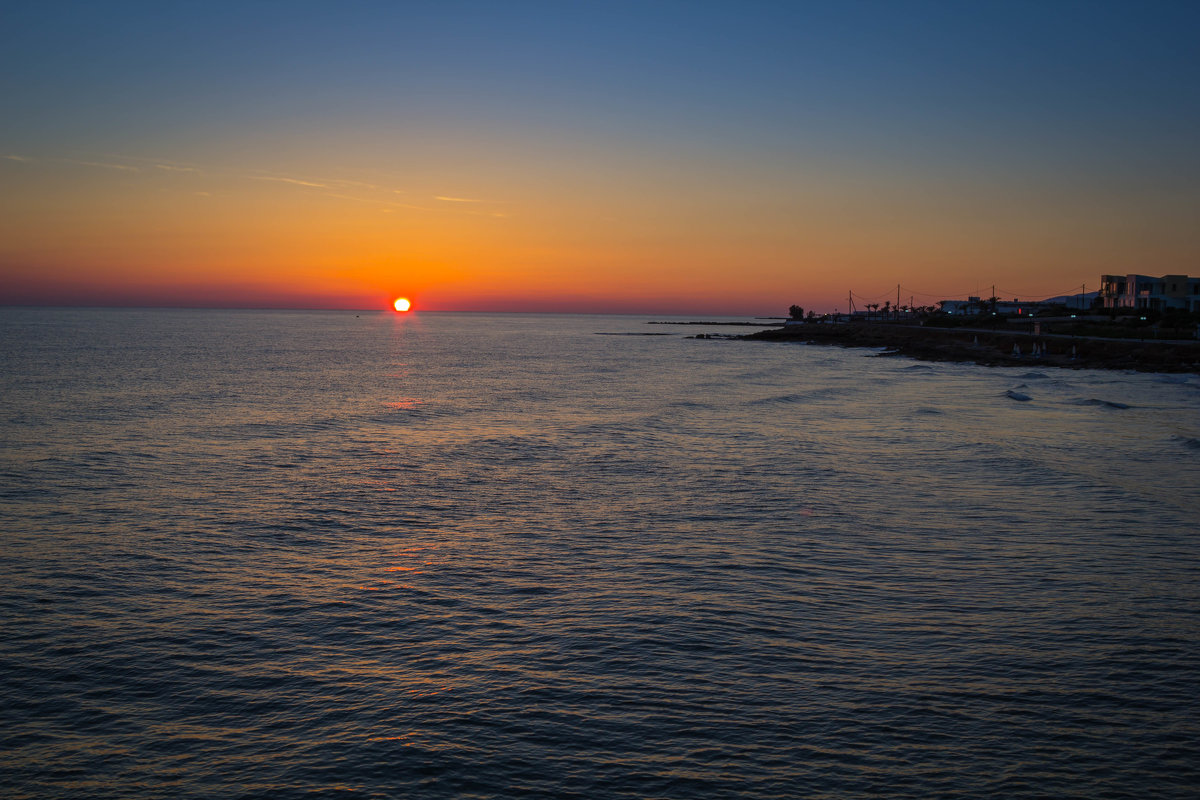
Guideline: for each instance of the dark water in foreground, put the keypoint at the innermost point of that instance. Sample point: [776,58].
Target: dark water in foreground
[252,554]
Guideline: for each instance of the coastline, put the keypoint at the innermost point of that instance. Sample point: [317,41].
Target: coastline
[995,348]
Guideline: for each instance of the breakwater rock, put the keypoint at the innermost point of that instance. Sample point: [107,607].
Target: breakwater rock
[996,348]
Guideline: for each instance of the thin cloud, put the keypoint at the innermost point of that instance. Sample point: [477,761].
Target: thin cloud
[22,159]
[294,181]
[359,184]
[103,165]
[351,197]
[337,188]
[155,160]
[388,206]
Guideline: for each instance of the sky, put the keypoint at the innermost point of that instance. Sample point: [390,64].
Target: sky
[644,157]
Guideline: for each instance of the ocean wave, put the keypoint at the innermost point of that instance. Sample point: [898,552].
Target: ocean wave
[798,397]
[1094,401]
[779,399]
[691,405]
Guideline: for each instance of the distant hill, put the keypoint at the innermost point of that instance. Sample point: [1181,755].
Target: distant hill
[1074,300]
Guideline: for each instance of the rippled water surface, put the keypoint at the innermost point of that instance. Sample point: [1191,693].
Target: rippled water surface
[277,554]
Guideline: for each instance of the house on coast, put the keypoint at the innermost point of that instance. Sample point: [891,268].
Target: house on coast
[1146,292]
[974,306]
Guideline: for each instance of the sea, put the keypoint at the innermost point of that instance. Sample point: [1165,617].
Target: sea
[277,554]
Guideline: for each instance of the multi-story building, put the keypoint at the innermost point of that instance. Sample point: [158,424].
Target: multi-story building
[1155,294]
[974,306]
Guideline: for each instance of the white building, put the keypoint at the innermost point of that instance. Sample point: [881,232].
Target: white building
[962,307]
[974,306]
[1148,292]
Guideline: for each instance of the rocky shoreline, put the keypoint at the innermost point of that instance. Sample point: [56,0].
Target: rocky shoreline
[996,348]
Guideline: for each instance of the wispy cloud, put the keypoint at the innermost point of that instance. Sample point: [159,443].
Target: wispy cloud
[351,197]
[102,165]
[293,181]
[158,162]
[484,212]
[337,188]
[359,184]
[387,205]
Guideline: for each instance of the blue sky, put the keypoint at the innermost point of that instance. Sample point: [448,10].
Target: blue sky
[1006,105]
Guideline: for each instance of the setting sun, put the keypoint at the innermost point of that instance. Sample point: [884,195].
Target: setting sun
[402,304]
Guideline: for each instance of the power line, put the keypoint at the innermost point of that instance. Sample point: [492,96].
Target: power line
[872,297]
[944,295]
[938,294]
[1072,291]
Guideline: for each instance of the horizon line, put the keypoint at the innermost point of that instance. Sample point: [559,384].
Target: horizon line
[380,310]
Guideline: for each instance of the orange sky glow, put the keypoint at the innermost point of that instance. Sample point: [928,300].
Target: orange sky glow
[730,181]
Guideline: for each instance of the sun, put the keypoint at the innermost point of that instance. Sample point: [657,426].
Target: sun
[402,304]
